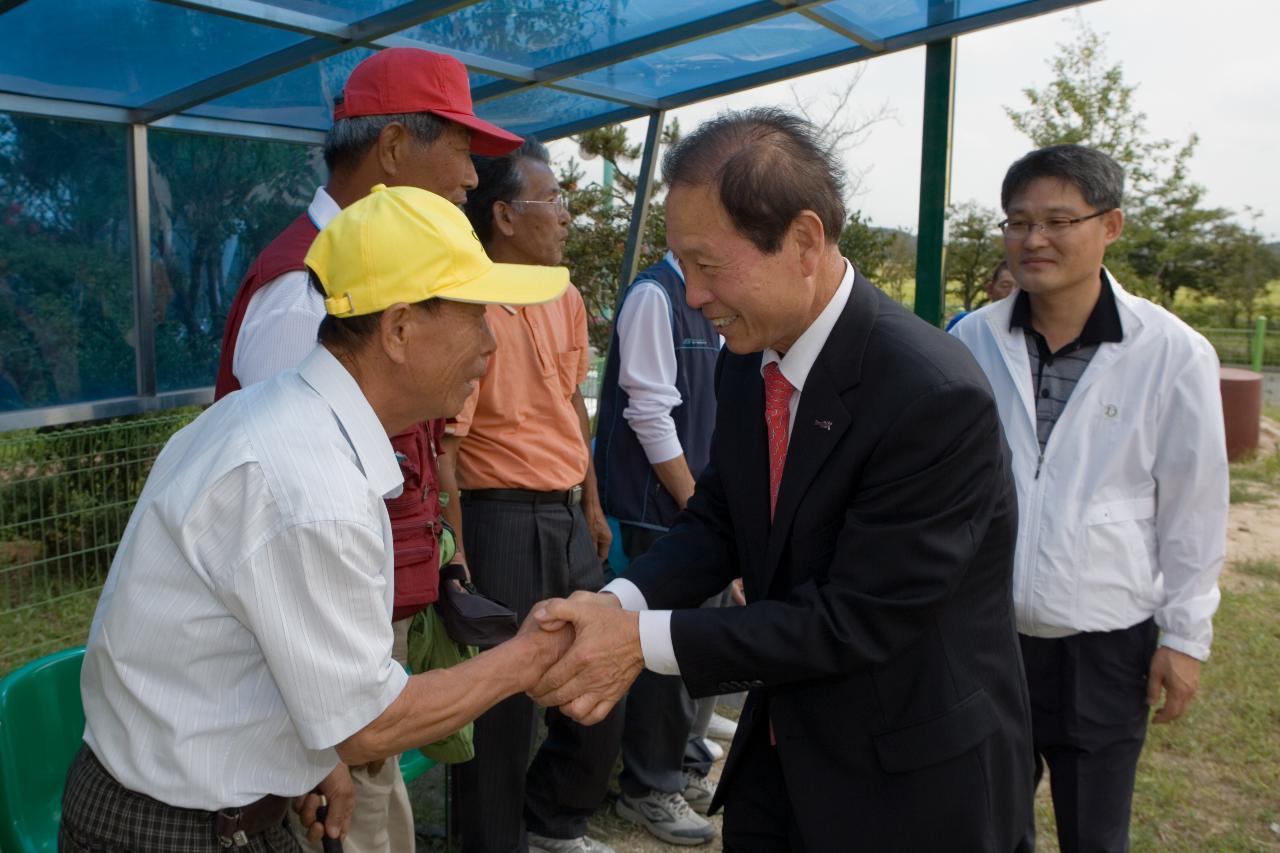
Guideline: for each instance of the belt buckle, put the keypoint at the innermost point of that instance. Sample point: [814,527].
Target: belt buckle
[575,496]
[237,837]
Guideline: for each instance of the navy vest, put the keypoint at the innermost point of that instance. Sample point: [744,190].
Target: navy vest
[629,489]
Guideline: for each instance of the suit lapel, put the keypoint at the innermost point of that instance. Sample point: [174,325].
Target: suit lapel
[822,418]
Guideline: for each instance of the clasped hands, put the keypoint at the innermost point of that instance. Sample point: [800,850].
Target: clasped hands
[589,648]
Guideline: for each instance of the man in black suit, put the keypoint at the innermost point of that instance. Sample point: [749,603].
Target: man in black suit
[860,486]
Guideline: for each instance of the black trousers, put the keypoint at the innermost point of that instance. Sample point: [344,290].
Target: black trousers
[521,554]
[1089,721]
[758,814]
[99,815]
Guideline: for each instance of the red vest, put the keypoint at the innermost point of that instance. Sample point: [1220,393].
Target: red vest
[415,515]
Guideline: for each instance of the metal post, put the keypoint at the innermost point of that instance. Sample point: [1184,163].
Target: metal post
[935,178]
[1258,344]
[640,211]
[144,314]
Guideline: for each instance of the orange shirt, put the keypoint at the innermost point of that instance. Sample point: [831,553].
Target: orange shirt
[520,429]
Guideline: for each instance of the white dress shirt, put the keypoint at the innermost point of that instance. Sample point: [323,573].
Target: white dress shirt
[282,318]
[245,627]
[655,625]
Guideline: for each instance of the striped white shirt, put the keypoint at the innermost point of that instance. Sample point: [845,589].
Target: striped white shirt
[245,627]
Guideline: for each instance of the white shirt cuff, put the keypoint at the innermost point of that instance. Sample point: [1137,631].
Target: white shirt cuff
[627,593]
[655,642]
[655,627]
[662,450]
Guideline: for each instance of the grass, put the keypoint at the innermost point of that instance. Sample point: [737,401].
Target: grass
[1209,781]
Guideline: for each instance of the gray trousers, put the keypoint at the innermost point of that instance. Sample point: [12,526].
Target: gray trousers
[521,553]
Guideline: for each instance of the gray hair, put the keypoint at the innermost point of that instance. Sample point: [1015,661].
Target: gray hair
[1099,178]
[766,166]
[351,138]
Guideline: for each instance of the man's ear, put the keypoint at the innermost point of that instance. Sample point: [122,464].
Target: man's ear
[393,147]
[1113,225]
[395,327]
[503,218]
[808,237]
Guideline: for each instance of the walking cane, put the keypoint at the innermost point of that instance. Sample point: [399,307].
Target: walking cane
[329,845]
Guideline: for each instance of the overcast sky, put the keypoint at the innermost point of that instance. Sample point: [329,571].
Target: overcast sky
[1204,68]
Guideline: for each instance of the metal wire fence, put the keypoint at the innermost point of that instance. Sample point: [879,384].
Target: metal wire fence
[65,497]
[1234,346]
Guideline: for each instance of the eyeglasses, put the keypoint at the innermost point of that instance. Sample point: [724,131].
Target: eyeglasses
[559,203]
[1018,229]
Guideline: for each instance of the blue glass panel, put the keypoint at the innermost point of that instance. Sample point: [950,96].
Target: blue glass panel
[301,98]
[345,11]
[755,48]
[122,52]
[539,32]
[534,109]
[889,18]
[66,334]
[216,202]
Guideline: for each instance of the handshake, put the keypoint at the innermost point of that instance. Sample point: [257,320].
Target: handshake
[586,654]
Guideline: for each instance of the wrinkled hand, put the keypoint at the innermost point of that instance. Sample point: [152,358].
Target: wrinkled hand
[1179,675]
[549,643]
[601,533]
[336,789]
[605,657]
[738,593]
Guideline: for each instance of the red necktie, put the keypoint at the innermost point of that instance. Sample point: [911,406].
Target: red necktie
[777,415]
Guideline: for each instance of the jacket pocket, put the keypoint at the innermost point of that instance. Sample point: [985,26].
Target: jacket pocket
[963,727]
[1117,577]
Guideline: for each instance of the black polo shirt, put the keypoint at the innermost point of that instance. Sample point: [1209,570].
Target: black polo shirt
[1054,375]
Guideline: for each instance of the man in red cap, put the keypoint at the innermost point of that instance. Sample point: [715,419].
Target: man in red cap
[403,119]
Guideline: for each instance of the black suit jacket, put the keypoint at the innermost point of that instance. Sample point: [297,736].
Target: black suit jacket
[879,637]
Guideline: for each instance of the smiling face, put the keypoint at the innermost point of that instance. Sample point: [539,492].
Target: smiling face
[1046,264]
[753,299]
[450,352]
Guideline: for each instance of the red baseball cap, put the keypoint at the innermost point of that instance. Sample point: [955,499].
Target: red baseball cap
[411,80]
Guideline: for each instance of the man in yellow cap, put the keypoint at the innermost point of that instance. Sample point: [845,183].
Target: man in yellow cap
[404,118]
[240,655]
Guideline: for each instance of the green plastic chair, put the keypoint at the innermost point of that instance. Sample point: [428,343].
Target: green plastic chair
[41,729]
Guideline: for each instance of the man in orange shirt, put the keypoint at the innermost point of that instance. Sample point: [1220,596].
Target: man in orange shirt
[530,521]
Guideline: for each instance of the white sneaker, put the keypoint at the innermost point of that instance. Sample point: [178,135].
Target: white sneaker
[715,750]
[543,844]
[666,817]
[698,791]
[722,728]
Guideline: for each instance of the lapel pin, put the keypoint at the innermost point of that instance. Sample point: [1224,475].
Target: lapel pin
[823,425]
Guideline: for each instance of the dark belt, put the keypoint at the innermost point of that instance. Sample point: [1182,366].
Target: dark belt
[234,826]
[572,497]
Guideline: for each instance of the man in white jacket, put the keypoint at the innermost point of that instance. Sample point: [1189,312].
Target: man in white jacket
[1112,408]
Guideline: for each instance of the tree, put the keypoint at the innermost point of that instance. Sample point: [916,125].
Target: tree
[1168,238]
[866,246]
[1242,266]
[973,250]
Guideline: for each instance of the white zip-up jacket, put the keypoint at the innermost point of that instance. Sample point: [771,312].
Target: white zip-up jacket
[1126,514]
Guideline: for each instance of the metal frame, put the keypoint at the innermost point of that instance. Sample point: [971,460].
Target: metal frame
[640,207]
[93,410]
[935,179]
[144,312]
[327,37]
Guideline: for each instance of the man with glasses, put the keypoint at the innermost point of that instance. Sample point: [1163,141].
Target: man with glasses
[1111,406]
[529,521]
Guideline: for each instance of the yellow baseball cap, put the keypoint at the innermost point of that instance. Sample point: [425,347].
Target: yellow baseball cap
[404,244]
